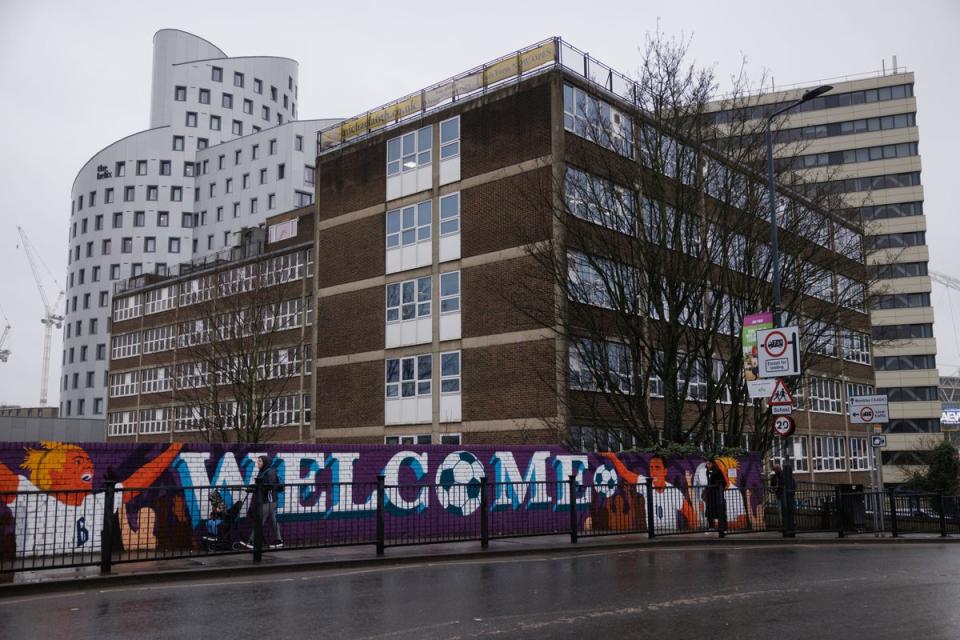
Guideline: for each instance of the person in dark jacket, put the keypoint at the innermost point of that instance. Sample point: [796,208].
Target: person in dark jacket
[716,507]
[270,489]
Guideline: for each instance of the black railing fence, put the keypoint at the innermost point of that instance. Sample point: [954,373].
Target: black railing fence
[116,524]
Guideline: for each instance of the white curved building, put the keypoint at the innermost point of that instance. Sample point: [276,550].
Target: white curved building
[224,150]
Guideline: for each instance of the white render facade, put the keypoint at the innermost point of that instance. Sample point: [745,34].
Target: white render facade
[224,151]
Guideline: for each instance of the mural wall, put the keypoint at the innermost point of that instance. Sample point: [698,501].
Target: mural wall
[52,498]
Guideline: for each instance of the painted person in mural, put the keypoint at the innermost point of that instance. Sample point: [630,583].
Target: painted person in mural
[723,473]
[55,508]
[270,489]
[672,508]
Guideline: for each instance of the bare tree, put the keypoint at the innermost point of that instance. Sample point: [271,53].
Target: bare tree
[661,246]
[242,353]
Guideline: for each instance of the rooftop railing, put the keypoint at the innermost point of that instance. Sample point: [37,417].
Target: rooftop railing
[509,69]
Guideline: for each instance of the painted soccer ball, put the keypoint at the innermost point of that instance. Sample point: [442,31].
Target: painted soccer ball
[458,483]
[605,480]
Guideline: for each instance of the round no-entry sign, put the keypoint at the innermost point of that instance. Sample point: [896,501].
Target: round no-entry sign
[775,344]
[866,414]
[783,426]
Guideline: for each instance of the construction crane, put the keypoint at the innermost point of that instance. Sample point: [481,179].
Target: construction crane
[4,352]
[51,318]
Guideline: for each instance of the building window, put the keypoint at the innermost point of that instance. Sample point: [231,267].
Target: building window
[257,85]
[409,377]
[450,138]
[114,275]
[302,199]
[178,143]
[226,101]
[799,453]
[409,151]
[597,121]
[450,214]
[298,143]
[215,124]
[186,220]
[450,372]
[108,196]
[125,346]
[152,192]
[601,202]
[129,193]
[263,176]
[120,169]
[273,147]
[126,245]
[308,174]
[856,347]
[248,106]
[139,218]
[202,143]
[173,245]
[253,206]
[272,201]
[409,225]
[237,79]
[859,455]
[136,269]
[228,185]
[149,244]
[245,181]
[216,74]
[450,292]
[825,395]
[409,300]
[265,113]
[829,453]
[281,171]
[180,94]
[141,167]
[165,167]
[204,96]
[237,128]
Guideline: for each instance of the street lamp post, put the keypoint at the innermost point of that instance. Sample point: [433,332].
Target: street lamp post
[775,256]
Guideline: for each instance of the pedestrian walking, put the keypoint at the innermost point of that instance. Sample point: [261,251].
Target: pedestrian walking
[270,490]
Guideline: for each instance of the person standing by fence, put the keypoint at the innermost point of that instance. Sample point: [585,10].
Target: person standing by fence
[270,489]
[714,497]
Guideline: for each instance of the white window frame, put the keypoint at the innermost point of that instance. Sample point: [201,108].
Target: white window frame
[123,384]
[122,423]
[450,214]
[418,382]
[450,292]
[824,395]
[411,151]
[415,219]
[158,339]
[125,345]
[449,144]
[155,420]
[451,370]
[856,347]
[583,375]
[127,307]
[156,380]
[403,307]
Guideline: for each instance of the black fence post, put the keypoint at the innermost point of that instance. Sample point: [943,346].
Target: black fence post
[838,501]
[257,519]
[943,516]
[650,510]
[721,501]
[107,533]
[573,508]
[789,503]
[893,513]
[484,515]
[381,542]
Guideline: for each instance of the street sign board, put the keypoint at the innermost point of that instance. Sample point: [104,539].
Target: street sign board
[869,409]
[781,409]
[778,352]
[780,395]
[760,389]
[878,441]
[783,426]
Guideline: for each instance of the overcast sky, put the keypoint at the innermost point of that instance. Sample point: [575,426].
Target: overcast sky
[75,76]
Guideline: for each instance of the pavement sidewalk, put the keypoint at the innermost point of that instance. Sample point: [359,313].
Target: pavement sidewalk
[205,567]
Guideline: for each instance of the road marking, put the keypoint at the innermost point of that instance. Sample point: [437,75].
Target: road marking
[51,596]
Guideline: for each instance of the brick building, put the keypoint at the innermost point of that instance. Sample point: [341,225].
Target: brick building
[170,334]
[423,230]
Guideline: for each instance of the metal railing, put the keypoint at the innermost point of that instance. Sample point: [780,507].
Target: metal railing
[44,530]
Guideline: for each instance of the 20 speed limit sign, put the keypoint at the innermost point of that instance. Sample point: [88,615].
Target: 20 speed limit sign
[783,426]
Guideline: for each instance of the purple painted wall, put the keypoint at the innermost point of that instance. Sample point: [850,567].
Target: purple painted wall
[330,497]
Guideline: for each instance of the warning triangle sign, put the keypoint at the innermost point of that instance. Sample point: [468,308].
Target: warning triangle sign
[781,395]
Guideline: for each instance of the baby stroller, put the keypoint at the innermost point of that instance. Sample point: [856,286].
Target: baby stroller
[222,524]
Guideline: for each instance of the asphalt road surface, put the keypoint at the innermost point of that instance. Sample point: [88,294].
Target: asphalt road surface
[783,592]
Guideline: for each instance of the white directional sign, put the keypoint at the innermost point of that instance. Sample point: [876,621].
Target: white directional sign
[760,389]
[778,352]
[869,410]
[878,441]
[781,409]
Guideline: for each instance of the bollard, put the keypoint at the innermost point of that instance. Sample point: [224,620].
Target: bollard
[573,508]
[257,519]
[381,542]
[943,516]
[893,513]
[107,533]
[650,509]
[838,500]
[484,515]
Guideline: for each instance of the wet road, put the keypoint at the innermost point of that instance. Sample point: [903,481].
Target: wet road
[784,592]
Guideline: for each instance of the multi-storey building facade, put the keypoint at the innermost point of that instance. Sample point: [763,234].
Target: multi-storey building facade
[425,220]
[172,332]
[224,151]
[862,138]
